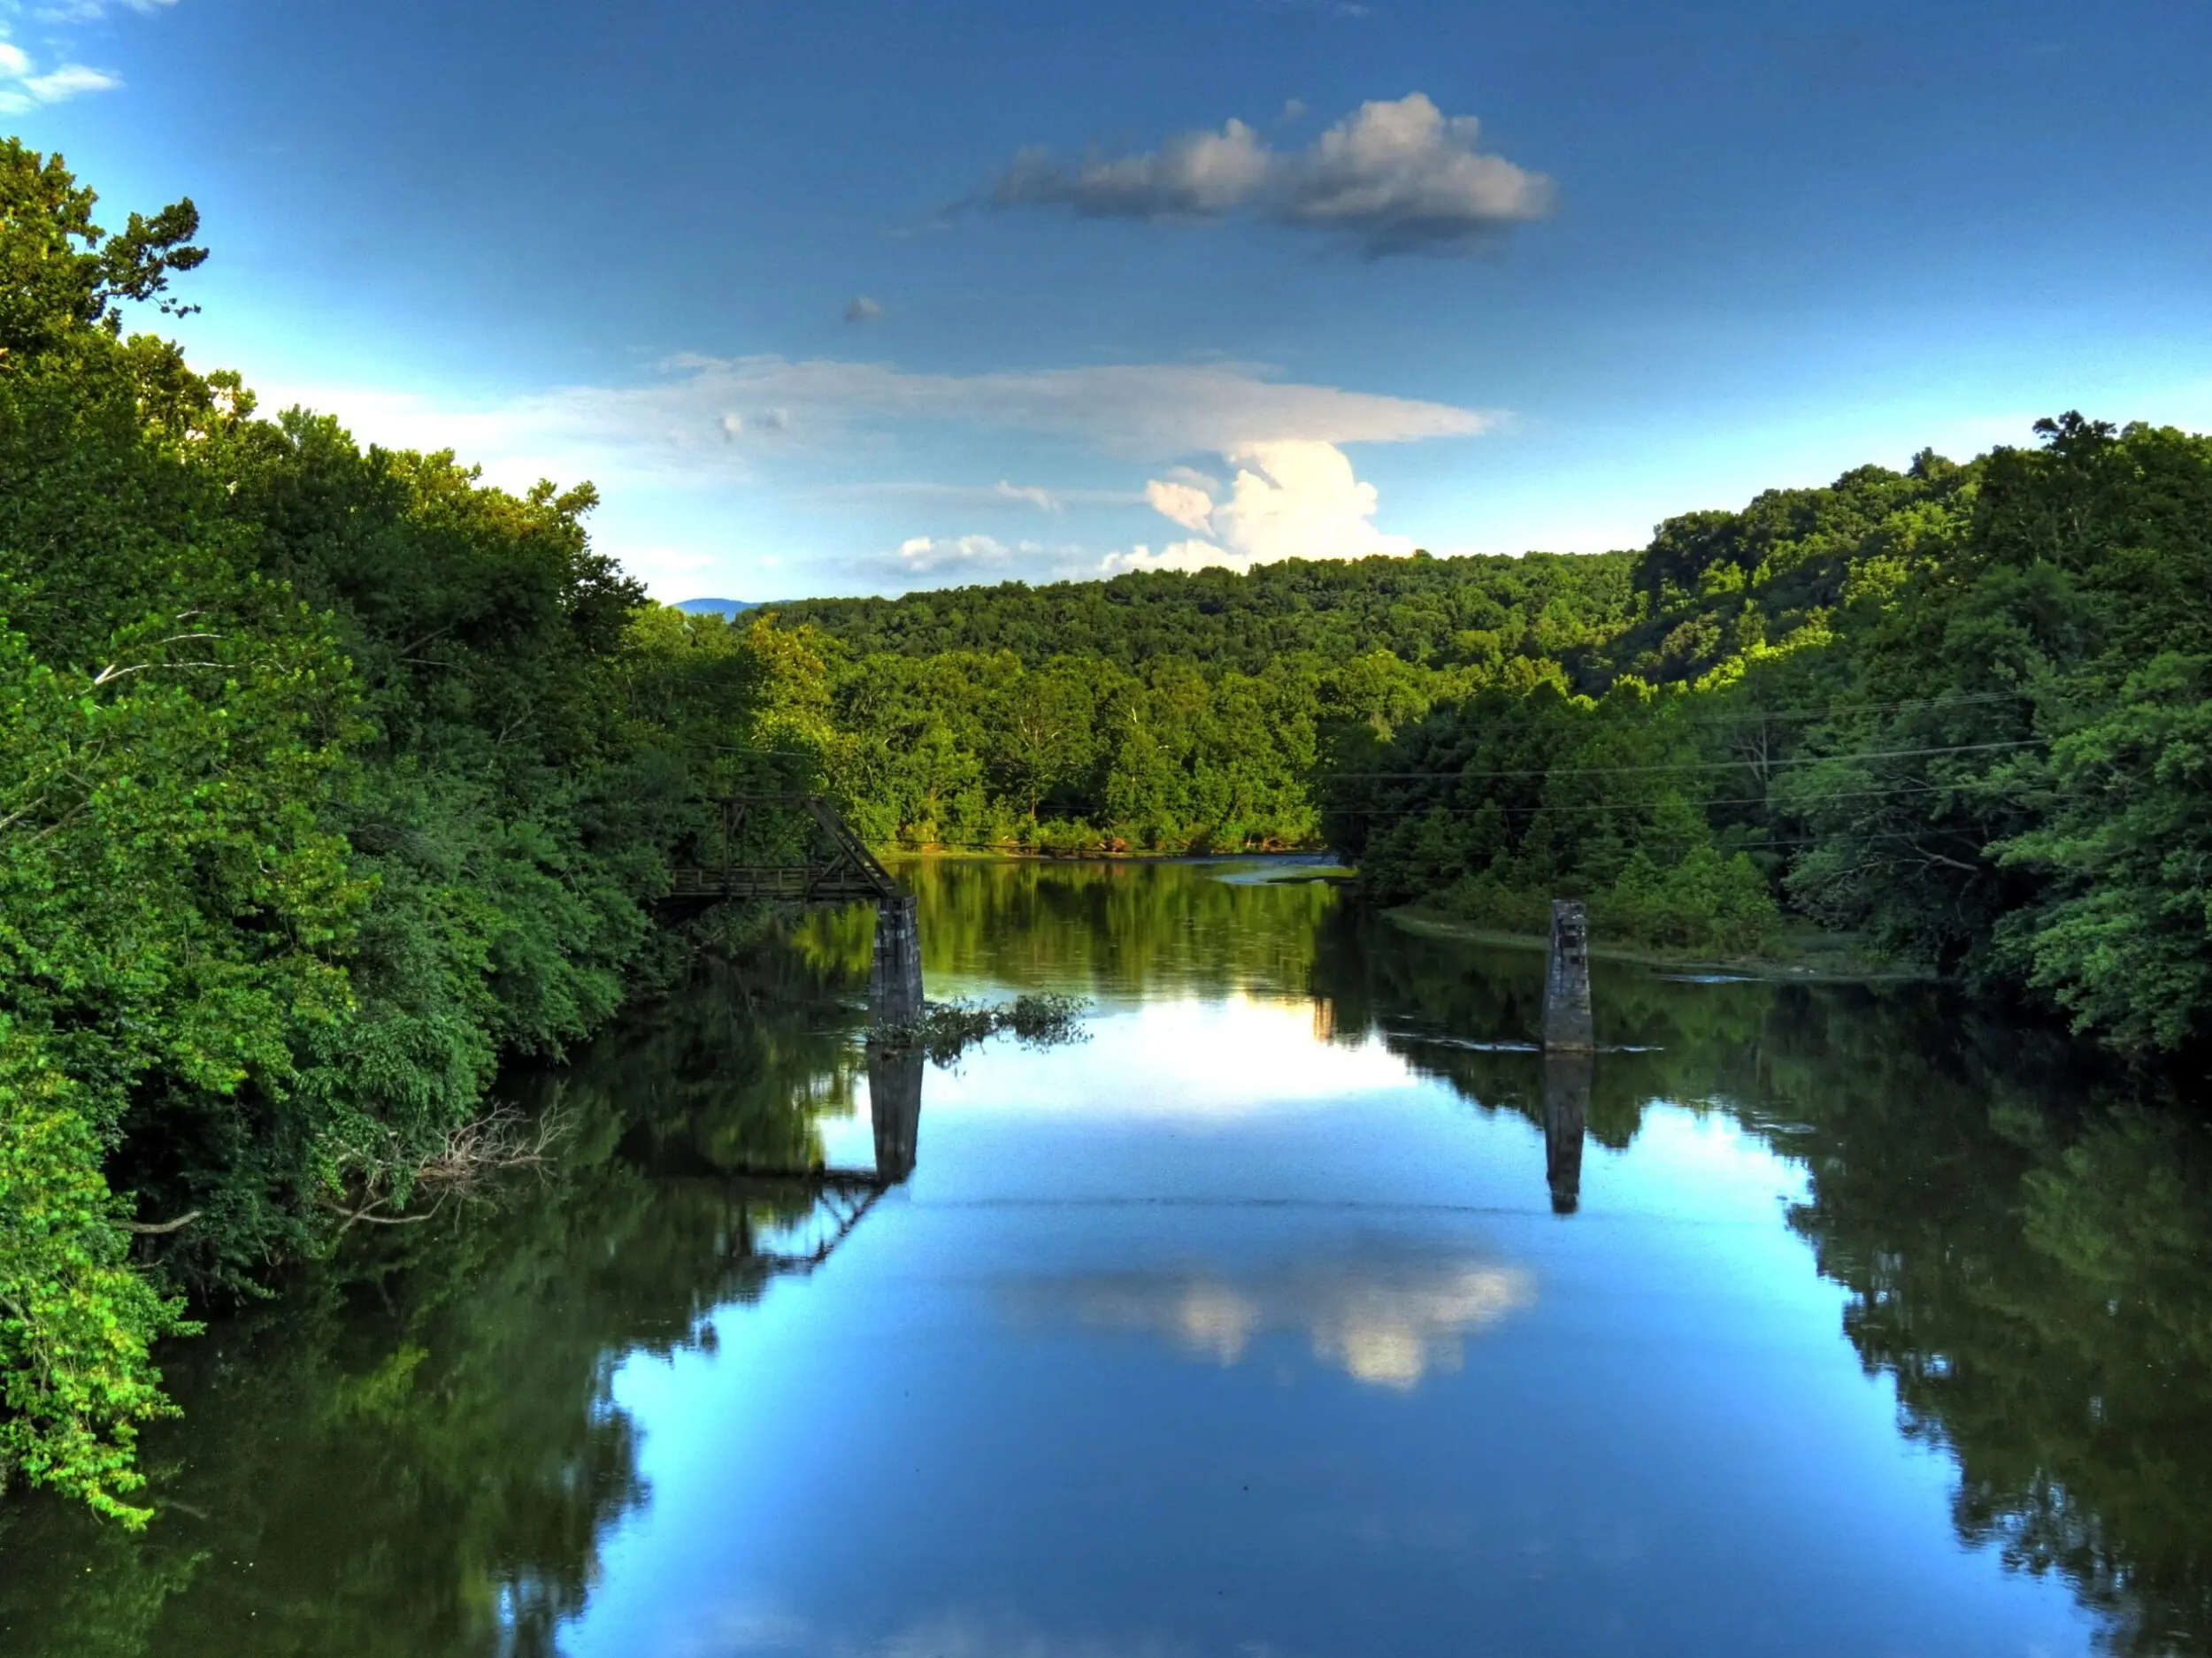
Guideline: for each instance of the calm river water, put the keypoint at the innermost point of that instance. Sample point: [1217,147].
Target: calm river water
[1299,1310]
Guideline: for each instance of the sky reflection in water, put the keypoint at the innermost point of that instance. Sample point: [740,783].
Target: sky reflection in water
[1381,1317]
[1261,1322]
[1232,1331]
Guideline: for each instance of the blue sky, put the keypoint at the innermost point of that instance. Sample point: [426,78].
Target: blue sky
[1209,282]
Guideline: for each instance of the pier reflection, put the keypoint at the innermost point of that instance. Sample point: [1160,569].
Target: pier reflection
[1567,1080]
[895,1102]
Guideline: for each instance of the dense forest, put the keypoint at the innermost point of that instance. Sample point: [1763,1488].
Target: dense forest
[332,780]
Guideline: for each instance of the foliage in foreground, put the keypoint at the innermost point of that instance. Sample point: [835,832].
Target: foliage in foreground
[329,780]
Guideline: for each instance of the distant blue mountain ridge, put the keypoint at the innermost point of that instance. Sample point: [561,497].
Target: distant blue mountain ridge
[716,607]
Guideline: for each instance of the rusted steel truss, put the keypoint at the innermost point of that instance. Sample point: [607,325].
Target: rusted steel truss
[841,871]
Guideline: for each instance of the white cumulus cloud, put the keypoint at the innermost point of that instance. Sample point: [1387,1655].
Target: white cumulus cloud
[1404,176]
[1175,556]
[1287,500]
[1394,176]
[1197,175]
[1186,504]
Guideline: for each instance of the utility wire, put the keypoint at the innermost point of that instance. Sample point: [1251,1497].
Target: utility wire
[1570,807]
[1834,711]
[1696,765]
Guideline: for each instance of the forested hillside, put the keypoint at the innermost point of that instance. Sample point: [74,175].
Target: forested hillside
[1172,712]
[1435,612]
[1958,710]
[1961,710]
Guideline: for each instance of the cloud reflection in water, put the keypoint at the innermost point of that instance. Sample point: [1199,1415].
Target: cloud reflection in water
[1385,1319]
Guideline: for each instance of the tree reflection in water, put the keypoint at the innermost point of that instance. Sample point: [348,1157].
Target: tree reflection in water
[2026,1242]
[416,1451]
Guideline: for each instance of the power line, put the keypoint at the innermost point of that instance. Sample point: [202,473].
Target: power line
[1692,766]
[1572,807]
[1970,699]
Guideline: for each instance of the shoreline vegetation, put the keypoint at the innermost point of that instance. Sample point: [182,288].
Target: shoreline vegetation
[333,780]
[1795,958]
[1796,955]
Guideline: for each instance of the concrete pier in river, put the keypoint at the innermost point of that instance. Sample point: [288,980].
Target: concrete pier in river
[1567,1027]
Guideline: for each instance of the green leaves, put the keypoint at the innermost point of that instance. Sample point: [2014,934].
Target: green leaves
[2122,938]
[77,1320]
[60,273]
[168,907]
[277,883]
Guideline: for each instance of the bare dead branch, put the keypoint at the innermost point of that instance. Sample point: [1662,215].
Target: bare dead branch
[157,1229]
[499,1142]
[111,674]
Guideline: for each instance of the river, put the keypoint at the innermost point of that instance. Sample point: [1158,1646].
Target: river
[1298,1309]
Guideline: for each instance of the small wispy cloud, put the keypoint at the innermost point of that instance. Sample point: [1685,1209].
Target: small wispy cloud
[1394,176]
[24,87]
[921,553]
[930,552]
[1325,8]
[860,308]
[93,11]
[709,420]
[940,560]
[1002,494]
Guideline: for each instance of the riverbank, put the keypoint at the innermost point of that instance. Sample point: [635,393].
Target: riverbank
[1016,854]
[1804,956]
